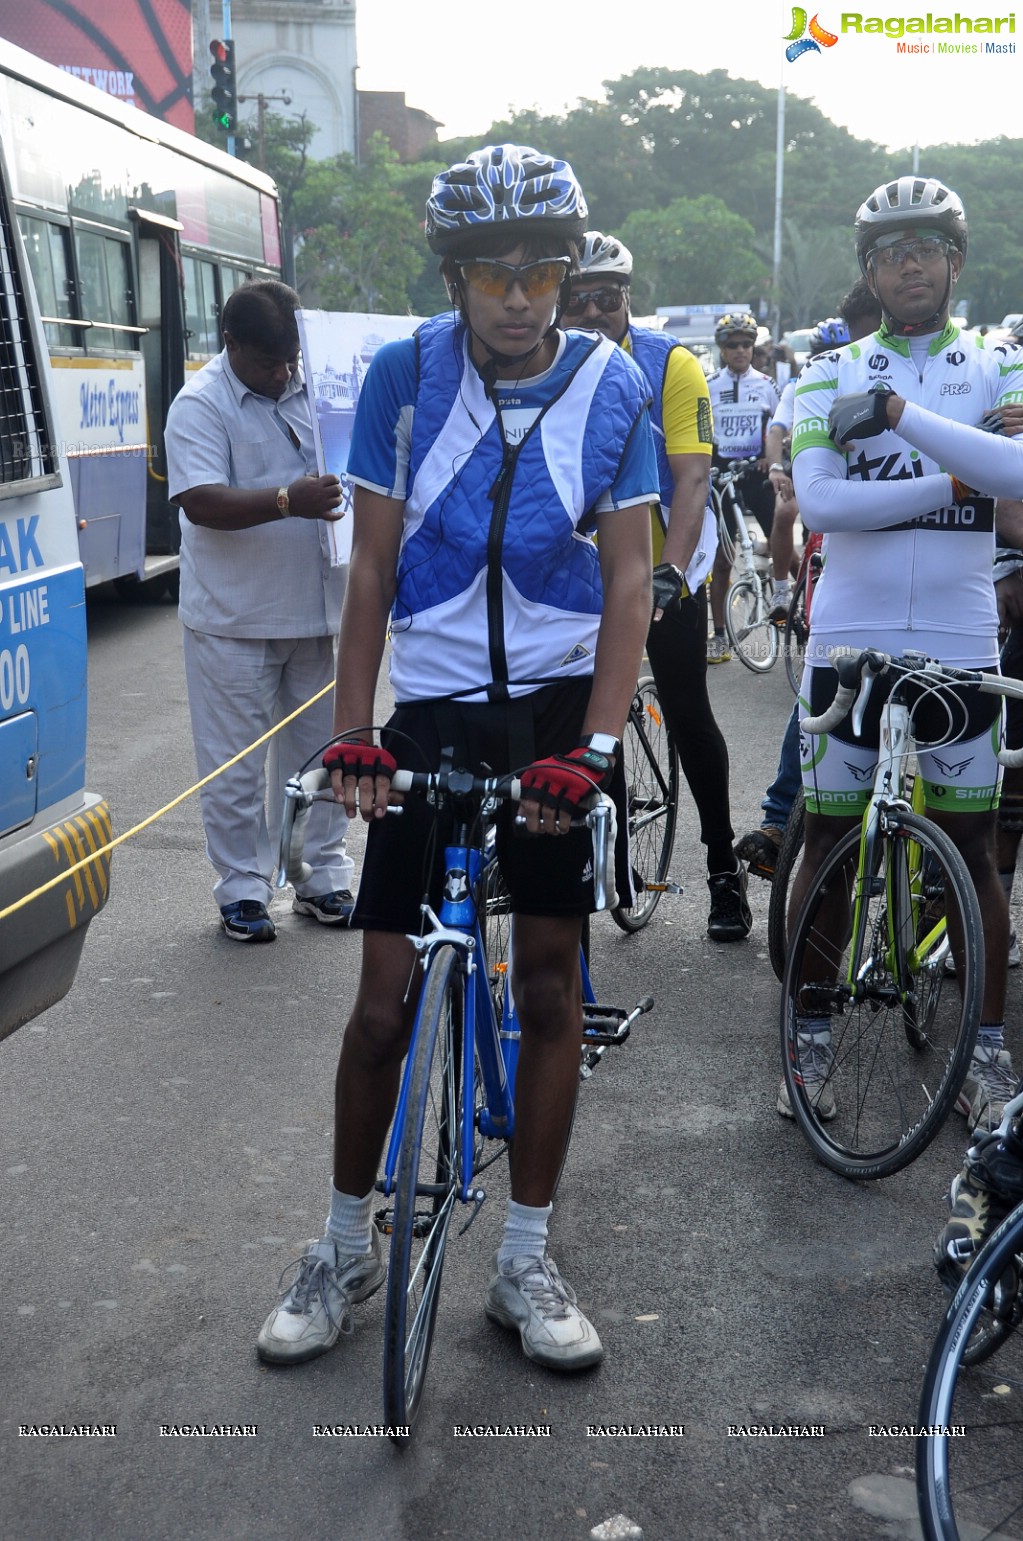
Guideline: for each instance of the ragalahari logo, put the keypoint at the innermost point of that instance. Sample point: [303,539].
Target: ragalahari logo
[806,39]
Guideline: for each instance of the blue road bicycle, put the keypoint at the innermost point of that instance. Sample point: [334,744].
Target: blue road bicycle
[455,1114]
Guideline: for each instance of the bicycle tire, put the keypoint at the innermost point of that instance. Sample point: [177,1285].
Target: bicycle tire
[971,1484]
[426,1189]
[789,853]
[891,1095]
[651,778]
[797,632]
[752,635]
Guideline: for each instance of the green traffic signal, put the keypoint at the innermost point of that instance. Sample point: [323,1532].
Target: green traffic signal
[225,85]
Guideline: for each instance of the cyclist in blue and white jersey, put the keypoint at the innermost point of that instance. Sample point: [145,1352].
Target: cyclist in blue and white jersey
[486,452]
[742,401]
[888,460]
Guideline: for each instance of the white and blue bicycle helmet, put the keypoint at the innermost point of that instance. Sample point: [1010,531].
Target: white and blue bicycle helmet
[504,183]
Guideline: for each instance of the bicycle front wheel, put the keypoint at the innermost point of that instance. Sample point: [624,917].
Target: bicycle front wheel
[789,852]
[753,636]
[651,779]
[876,1036]
[969,1479]
[426,1188]
[797,631]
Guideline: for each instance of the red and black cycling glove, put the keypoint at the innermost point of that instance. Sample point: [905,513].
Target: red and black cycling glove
[567,782]
[358,760]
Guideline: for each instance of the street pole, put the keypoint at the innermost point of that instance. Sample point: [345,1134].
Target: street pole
[261,100]
[779,179]
[226,8]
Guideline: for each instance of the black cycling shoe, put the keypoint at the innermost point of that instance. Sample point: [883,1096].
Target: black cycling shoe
[730,917]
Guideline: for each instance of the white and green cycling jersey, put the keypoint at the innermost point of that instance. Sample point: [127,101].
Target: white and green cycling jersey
[908,565]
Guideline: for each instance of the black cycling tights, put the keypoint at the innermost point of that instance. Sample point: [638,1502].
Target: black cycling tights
[677,649]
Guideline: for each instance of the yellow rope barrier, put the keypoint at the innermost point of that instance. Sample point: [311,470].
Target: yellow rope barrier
[105,850]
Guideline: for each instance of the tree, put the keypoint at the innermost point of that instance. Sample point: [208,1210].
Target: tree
[694,251]
[361,246]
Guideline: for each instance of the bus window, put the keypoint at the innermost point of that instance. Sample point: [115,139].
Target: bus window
[232,279]
[201,310]
[47,246]
[104,271]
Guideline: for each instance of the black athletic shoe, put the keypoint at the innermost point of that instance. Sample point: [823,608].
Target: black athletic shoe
[730,919]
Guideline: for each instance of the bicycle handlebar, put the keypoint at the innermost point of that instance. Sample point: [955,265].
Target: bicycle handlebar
[857,671]
[301,792]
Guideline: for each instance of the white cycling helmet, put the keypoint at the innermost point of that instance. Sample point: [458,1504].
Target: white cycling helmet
[909,203]
[601,253]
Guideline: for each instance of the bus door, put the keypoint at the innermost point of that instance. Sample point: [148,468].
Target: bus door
[163,350]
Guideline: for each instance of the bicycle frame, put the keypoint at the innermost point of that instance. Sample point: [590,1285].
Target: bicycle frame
[495,1042]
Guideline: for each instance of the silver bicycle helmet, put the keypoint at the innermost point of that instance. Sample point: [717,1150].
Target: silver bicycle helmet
[909,203]
[504,183]
[601,253]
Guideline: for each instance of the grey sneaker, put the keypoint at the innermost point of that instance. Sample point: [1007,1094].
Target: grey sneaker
[313,1312]
[718,650]
[990,1083]
[816,1066]
[532,1297]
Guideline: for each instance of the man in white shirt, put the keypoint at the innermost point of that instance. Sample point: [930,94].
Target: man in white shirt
[260,603]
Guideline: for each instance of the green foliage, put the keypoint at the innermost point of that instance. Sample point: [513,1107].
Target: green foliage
[361,246]
[694,250]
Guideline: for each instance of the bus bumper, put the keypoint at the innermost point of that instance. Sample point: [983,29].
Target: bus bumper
[41,943]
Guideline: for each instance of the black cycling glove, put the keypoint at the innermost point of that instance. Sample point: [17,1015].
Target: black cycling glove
[669,585]
[860,415]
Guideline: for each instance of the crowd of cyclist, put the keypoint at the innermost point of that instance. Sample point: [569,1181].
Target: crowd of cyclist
[525,651]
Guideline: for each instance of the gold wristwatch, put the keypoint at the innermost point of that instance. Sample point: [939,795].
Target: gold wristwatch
[283,503]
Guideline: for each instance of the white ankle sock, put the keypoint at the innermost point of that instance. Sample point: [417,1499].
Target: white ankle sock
[350,1223]
[525,1232]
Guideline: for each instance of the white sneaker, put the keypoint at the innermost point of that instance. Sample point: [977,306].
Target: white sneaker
[313,1312]
[990,1083]
[816,1067]
[531,1296]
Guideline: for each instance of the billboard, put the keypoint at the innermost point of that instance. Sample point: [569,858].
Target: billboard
[137,50]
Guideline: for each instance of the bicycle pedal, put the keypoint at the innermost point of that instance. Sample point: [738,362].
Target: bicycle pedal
[384,1221]
[662,888]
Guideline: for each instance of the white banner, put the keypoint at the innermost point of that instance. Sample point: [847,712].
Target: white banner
[337,349]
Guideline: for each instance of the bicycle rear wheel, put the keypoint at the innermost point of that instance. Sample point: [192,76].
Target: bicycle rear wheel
[869,1094]
[753,636]
[651,779]
[789,852]
[426,1188]
[970,1483]
[797,630]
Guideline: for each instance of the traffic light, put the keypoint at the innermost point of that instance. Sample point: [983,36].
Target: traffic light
[225,85]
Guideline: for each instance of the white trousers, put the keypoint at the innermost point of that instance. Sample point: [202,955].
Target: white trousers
[238,687]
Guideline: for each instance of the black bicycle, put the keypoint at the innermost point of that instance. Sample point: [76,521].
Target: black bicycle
[969,1476]
[651,776]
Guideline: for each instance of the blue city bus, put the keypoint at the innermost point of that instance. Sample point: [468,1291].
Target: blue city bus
[136,234]
[49,823]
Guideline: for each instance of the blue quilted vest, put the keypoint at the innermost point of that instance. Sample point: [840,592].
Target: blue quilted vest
[650,349]
[498,578]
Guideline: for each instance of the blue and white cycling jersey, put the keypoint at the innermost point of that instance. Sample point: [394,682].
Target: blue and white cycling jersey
[498,576]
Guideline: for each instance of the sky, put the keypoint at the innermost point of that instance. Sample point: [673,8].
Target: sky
[467,66]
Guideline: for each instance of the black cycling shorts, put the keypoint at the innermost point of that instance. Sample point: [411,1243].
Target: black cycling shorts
[545,874]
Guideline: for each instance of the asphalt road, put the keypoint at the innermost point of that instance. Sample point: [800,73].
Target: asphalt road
[165,1139]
